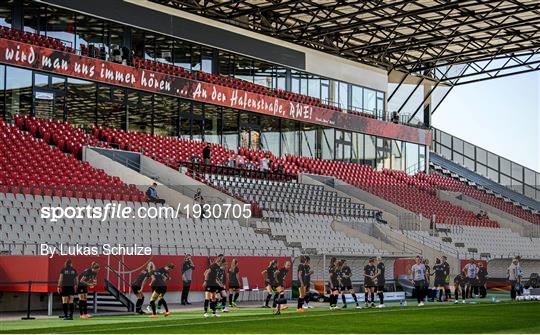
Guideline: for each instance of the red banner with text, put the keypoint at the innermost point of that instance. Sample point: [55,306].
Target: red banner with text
[69,64]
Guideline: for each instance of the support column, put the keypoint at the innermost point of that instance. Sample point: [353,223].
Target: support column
[50,304]
[427,105]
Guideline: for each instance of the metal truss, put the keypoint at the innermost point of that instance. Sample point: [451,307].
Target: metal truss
[492,38]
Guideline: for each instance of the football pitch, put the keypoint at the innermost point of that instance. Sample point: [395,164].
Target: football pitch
[486,317]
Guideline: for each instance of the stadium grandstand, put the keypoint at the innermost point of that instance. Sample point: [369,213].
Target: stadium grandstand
[257,130]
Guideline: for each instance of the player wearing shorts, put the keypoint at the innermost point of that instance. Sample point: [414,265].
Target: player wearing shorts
[307,281]
[234,283]
[269,275]
[301,275]
[158,283]
[418,277]
[440,278]
[346,283]
[279,298]
[459,286]
[446,267]
[470,270]
[380,281]
[138,284]
[87,279]
[334,275]
[223,289]
[212,285]
[370,272]
[67,283]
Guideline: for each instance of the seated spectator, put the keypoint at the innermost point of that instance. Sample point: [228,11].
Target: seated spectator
[265,164]
[152,195]
[198,198]
[207,152]
[280,168]
[240,161]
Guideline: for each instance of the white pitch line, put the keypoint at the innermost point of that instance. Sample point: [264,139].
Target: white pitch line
[221,321]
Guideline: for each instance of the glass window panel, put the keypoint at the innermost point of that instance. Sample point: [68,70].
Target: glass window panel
[6,13]
[212,123]
[529,177]
[343,95]
[446,140]
[482,169]
[90,33]
[197,128]
[421,158]
[333,96]
[314,86]
[61,25]
[325,90]
[196,58]
[139,109]
[357,98]
[493,162]
[481,155]
[411,157]
[358,148]
[230,129]
[370,103]
[446,153]
[457,145]
[493,175]
[111,107]
[41,80]
[505,165]
[243,69]
[279,79]
[327,143]
[309,135]
[397,156]
[384,152]
[529,192]
[270,134]
[18,91]
[164,49]
[370,150]
[517,171]
[290,136]
[263,73]
[165,115]
[35,18]
[206,59]
[469,163]
[468,150]
[458,158]
[182,54]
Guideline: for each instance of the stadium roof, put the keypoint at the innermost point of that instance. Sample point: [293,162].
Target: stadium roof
[453,42]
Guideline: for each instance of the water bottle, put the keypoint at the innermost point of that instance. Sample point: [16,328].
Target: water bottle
[493,299]
[401,303]
[405,303]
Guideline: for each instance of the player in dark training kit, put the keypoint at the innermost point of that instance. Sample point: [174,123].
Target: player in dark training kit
[158,283]
[440,278]
[67,283]
[346,283]
[301,275]
[212,285]
[87,279]
[279,297]
[138,284]
[334,274]
[234,283]
[269,276]
[307,281]
[380,281]
[370,271]
[223,289]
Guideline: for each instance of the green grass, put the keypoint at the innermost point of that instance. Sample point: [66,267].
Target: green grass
[487,317]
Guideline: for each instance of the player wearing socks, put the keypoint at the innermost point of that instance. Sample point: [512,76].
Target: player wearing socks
[138,284]
[440,278]
[459,286]
[307,281]
[346,283]
[234,283]
[223,289]
[67,284]
[301,275]
[87,279]
[446,267]
[370,272]
[334,275]
[470,270]
[212,285]
[380,281]
[418,277]
[269,276]
[158,283]
[279,298]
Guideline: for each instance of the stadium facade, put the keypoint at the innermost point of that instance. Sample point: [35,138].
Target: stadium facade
[207,46]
